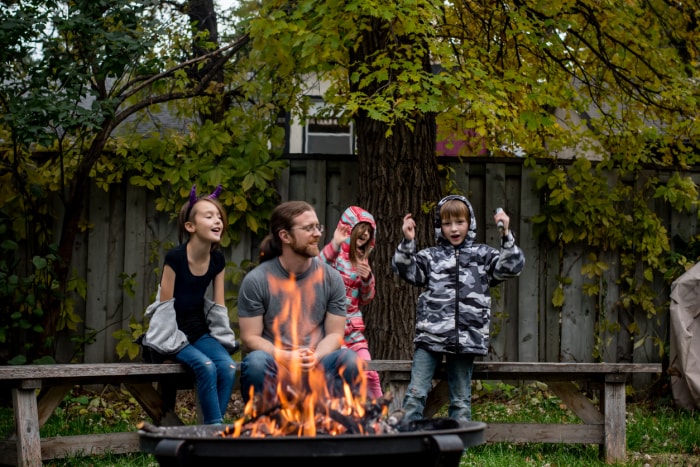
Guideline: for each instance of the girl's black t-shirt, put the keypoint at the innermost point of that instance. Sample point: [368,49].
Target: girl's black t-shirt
[190,290]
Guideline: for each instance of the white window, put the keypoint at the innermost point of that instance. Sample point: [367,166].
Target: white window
[324,135]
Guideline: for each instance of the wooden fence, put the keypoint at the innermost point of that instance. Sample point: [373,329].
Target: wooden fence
[129,238]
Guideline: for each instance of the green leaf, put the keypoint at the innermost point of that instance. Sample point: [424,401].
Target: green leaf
[39,262]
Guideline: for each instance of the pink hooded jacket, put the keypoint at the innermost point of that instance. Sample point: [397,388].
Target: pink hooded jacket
[357,291]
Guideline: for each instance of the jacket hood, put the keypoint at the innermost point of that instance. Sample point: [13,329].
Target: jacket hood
[353,216]
[471,233]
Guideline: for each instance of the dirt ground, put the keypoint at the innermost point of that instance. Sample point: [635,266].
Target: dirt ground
[185,404]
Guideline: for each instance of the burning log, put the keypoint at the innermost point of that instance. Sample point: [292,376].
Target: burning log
[335,418]
[374,420]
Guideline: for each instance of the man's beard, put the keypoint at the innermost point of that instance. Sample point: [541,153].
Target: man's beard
[307,251]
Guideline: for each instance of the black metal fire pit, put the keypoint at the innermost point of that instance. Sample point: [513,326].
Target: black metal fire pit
[441,442]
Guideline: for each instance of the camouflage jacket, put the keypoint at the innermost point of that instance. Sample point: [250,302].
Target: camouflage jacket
[453,313]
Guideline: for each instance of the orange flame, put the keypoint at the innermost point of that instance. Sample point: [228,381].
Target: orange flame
[305,407]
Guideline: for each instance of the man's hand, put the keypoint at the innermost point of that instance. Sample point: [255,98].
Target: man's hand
[304,358]
[307,359]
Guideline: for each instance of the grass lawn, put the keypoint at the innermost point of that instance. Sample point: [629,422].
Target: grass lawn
[658,434]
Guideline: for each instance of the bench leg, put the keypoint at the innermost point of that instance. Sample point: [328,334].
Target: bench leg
[577,402]
[614,449]
[27,427]
[159,404]
[437,397]
[48,400]
[398,382]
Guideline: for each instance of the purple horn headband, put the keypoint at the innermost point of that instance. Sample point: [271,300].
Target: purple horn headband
[194,199]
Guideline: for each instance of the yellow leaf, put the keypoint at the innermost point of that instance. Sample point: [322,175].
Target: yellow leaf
[558,297]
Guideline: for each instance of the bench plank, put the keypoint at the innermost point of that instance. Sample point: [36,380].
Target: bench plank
[87,373]
[61,447]
[543,433]
[89,445]
[534,370]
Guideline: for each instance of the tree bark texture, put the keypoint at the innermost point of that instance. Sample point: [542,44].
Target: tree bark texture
[397,175]
[203,16]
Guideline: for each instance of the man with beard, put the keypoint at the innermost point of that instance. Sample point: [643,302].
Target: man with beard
[292,311]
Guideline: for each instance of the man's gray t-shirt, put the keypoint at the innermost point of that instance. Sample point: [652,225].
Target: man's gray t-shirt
[293,307]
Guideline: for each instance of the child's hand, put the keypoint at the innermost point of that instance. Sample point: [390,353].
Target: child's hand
[341,233]
[409,227]
[501,216]
[363,269]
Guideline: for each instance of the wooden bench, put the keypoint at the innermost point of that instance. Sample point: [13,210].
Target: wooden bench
[604,425]
[37,390]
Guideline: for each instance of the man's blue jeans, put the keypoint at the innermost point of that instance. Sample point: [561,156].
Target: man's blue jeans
[215,374]
[459,380]
[259,371]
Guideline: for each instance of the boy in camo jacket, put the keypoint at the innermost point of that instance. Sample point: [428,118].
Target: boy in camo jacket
[453,313]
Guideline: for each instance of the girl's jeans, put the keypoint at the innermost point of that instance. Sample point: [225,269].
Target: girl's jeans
[459,380]
[259,372]
[215,374]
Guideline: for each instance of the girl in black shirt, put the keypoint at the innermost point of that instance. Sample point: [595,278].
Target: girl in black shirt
[202,338]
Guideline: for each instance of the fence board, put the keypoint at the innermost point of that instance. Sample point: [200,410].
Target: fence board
[136,225]
[529,282]
[296,189]
[342,191]
[335,202]
[461,177]
[315,183]
[609,313]
[284,182]
[97,253]
[117,252]
[551,321]
[514,312]
[577,317]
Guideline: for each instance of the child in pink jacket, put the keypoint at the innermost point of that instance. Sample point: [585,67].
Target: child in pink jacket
[348,252]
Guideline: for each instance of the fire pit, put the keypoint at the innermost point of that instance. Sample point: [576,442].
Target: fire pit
[297,420]
[433,442]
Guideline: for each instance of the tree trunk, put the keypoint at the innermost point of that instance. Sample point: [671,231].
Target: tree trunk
[398,174]
[203,17]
